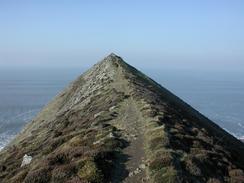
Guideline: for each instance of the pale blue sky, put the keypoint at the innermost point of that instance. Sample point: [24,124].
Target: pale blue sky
[203,34]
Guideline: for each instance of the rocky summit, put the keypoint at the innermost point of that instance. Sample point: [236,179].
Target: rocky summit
[114,124]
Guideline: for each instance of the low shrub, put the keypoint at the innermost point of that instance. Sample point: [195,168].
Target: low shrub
[236,172]
[75,180]
[62,173]
[192,167]
[41,175]
[57,159]
[19,177]
[89,172]
[168,175]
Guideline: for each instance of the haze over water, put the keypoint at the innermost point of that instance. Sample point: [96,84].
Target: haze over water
[218,95]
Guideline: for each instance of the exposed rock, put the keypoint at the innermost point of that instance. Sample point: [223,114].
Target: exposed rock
[111,135]
[26,160]
[142,166]
[138,170]
[112,108]
[135,172]
[131,174]
[98,114]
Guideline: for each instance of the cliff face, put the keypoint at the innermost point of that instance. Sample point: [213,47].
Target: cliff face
[114,124]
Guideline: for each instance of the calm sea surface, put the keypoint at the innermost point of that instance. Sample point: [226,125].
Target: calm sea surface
[219,96]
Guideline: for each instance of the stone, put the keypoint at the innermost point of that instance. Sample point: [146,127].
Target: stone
[142,166]
[26,160]
[111,135]
[131,174]
[97,142]
[137,171]
[112,108]
[98,114]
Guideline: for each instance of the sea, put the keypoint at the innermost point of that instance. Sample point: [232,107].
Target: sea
[219,95]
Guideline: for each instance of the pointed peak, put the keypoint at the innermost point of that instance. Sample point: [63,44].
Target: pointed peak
[112,57]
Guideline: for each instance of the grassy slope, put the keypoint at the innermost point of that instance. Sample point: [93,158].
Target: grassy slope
[182,145]
[82,135]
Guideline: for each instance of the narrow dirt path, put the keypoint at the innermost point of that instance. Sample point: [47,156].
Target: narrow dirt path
[132,130]
[131,126]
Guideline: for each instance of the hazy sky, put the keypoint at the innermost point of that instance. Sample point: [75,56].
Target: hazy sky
[154,34]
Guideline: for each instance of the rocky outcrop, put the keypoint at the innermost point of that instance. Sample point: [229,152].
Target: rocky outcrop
[26,160]
[114,124]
